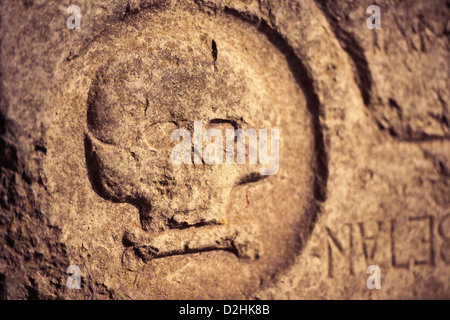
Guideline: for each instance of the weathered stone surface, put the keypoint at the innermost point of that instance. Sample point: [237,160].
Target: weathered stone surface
[86,118]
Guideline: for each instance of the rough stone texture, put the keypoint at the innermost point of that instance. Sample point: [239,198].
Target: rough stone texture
[86,118]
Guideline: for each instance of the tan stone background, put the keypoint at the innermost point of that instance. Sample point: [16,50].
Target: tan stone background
[380,109]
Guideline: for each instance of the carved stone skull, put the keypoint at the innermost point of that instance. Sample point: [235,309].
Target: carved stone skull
[134,106]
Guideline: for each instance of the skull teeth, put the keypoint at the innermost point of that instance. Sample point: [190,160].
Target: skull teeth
[181,221]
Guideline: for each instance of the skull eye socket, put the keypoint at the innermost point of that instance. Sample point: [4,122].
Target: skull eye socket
[158,135]
[223,125]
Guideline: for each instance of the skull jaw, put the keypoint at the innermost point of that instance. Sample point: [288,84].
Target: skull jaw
[238,240]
